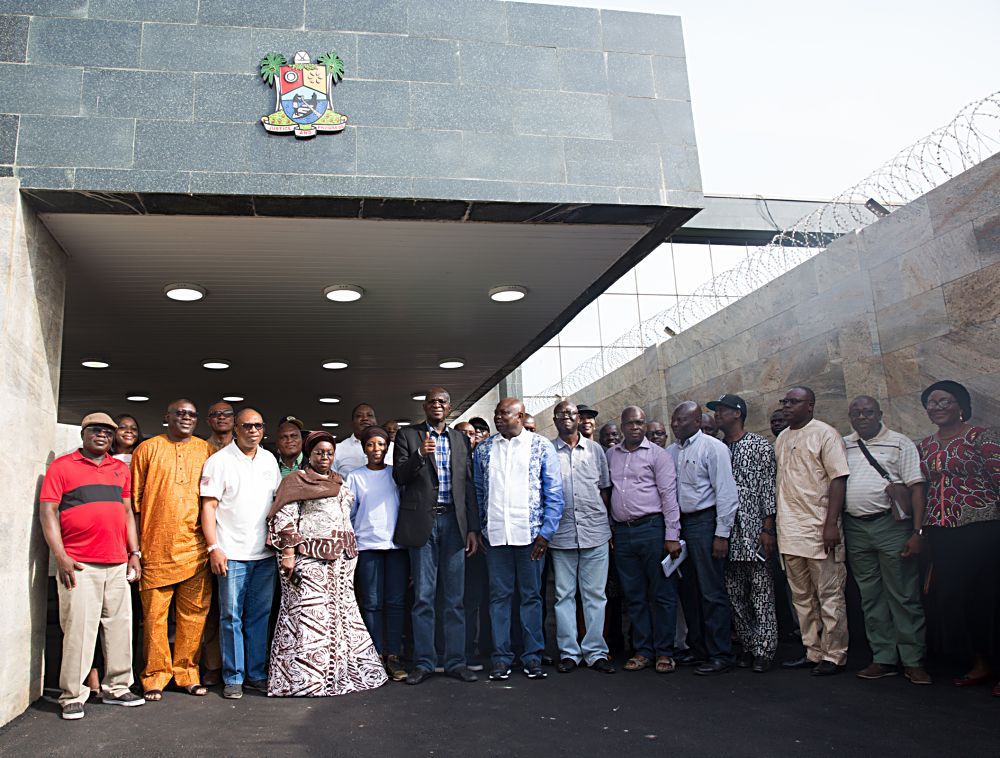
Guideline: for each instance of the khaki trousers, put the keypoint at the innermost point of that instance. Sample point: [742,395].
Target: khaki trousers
[101,599]
[817,586]
[191,597]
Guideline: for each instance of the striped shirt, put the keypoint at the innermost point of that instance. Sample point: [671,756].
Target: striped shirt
[866,494]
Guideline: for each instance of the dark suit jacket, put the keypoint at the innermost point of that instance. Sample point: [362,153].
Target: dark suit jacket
[417,475]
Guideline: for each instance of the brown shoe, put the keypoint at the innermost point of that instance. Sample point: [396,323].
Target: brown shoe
[394,668]
[917,675]
[877,671]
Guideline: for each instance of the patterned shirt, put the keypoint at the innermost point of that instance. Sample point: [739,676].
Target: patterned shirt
[964,478]
[754,470]
[442,460]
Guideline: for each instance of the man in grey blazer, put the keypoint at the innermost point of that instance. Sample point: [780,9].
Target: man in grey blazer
[439,523]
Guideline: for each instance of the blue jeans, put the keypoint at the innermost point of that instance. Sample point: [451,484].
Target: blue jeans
[589,568]
[698,530]
[478,638]
[441,559]
[638,552]
[245,595]
[381,577]
[510,566]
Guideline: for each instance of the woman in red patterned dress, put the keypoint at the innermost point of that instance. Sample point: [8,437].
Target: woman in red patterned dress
[962,523]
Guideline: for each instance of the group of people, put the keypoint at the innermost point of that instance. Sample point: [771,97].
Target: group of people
[693,536]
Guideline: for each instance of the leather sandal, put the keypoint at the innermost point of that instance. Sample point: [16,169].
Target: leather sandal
[637,663]
[198,690]
[153,696]
[665,664]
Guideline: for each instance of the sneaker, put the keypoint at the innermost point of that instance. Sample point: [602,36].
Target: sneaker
[72,711]
[394,668]
[499,673]
[877,671]
[534,671]
[127,698]
[232,691]
[256,684]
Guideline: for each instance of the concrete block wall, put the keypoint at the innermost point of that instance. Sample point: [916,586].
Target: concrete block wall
[910,299]
[32,285]
[464,99]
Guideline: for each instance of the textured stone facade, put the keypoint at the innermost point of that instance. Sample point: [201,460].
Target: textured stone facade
[464,99]
[32,284]
[910,299]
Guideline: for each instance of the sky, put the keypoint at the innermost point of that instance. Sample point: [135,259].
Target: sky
[803,99]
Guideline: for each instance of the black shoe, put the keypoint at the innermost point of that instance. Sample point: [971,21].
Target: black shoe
[499,673]
[548,661]
[256,684]
[711,668]
[826,668]
[687,658]
[232,691]
[798,663]
[603,665]
[745,661]
[761,664]
[462,674]
[418,675]
[566,665]
[534,671]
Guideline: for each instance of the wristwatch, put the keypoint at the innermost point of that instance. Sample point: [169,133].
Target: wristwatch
[136,553]
[213,547]
[919,532]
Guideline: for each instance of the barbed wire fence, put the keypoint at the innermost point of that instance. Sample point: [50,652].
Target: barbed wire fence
[969,138]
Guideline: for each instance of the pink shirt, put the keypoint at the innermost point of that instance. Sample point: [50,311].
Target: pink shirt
[644,482]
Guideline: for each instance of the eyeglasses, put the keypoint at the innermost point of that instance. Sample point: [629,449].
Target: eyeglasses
[565,414]
[323,453]
[252,425]
[867,413]
[221,414]
[791,401]
[940,404]
[100,431]
[436,401]
[185,413]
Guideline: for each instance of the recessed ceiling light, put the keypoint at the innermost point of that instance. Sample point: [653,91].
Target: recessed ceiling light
[184,292]
[451,363]
[330,424]
[421,396]
[508,293]
[216,364]
[335,364]
[403,422]
[94,364]
[333,399]
[138,398]
[343,293]
[233,398]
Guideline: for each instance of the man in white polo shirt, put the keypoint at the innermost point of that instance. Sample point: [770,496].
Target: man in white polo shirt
[237,487]
[881,548]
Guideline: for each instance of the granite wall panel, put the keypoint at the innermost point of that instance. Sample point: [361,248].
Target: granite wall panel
[887,310]
[13,38]
[81,42]
[169,11]
[484,20]
[141,94]
[271,14]
[64,141]
[554,26]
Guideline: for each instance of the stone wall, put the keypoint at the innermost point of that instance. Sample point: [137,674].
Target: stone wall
[910,299]
[32,284]
[463,99]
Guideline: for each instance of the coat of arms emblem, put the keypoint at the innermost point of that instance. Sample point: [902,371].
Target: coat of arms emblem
[302,95]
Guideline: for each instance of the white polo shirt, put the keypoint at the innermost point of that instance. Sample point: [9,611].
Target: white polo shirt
[245,489]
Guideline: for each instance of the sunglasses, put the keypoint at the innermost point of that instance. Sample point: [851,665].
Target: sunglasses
[252,425]
[185,413]
[221,414]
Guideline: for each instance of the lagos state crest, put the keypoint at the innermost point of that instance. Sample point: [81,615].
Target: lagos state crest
[302,94]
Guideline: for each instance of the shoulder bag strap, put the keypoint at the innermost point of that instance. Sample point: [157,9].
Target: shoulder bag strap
[871,459]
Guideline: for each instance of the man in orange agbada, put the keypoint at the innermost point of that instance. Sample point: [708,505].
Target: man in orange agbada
[166,473]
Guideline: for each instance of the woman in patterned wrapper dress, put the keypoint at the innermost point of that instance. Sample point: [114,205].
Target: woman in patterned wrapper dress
[962,522]
[321,646]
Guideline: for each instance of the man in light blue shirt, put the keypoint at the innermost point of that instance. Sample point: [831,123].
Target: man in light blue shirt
[708,499]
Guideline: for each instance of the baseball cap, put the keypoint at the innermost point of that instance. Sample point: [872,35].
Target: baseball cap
[586,410]
[292,420]
[98,419]
[730,401]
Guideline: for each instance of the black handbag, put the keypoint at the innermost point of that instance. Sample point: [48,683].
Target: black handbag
[899,494]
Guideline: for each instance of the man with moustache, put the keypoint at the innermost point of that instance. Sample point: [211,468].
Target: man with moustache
[579,549]
[350,453]
[237,487]
[439,522]
[656,433]
[220,421]
[166,471]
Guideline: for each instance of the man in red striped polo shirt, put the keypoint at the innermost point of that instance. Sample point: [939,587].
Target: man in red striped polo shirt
[86,514]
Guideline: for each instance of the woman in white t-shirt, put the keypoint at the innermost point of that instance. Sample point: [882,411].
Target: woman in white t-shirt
[383,567]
